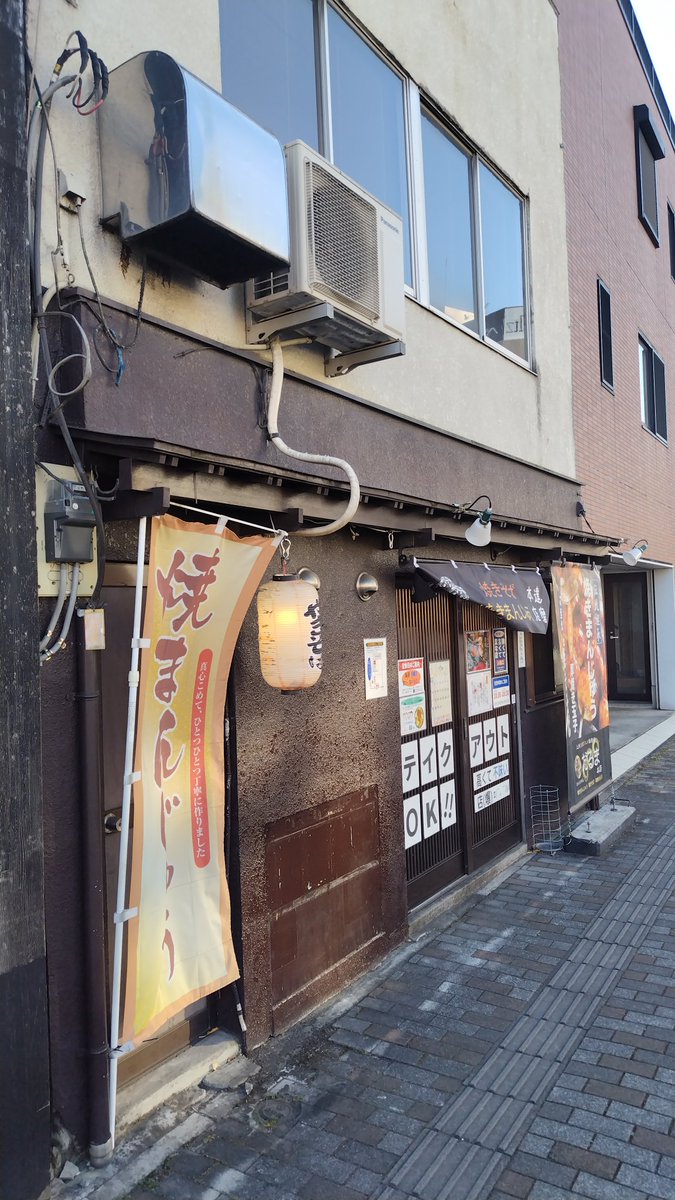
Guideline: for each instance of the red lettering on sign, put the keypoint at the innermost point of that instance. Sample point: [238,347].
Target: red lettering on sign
[201,844]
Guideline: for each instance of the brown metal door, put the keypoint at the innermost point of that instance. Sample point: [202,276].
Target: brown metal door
[432,808]
[488,760]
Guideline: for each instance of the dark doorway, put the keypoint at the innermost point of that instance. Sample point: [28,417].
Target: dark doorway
[627,621]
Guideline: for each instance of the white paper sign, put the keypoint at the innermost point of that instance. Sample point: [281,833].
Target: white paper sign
[441,692]
[476,745]
[521,648]
[479,692]
[410,676]
[492,796]
[412,713]
[503,737]
[410,766]
[501,691]
[490,738]
[446,758]
[431,822]
[375,667]
[428,767]
[489,775]
[448,806]
[412,821]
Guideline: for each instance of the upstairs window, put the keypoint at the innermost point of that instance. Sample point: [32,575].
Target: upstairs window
[648,150]
[475,242]
[653,390]
[671,240]
[303,72]
[605,324]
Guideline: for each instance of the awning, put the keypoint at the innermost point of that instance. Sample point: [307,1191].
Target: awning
[516,595]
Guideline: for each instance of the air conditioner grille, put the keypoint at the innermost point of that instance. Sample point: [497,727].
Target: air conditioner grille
[342,242]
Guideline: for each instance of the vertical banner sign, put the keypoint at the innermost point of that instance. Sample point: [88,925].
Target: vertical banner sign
[201,582]
[580,620]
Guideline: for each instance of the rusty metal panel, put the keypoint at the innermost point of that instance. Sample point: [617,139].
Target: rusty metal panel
[324,890]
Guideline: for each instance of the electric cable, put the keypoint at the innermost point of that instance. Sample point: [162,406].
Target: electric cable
[44,346]
[56,612]
[60,643]
[324,459]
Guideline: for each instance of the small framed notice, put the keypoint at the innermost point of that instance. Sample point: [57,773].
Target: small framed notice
[375,667]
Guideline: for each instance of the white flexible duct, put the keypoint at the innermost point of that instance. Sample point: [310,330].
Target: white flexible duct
[324,459]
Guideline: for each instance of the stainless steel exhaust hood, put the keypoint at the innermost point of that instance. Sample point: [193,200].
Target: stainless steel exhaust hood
[189,176]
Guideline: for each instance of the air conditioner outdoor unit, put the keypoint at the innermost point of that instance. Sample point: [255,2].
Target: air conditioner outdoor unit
[344,287]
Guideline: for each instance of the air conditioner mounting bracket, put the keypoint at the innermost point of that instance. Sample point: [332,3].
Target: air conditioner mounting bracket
[259,332]
[340,364]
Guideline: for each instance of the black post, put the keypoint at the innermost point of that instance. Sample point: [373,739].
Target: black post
[93,870]
[24,1069]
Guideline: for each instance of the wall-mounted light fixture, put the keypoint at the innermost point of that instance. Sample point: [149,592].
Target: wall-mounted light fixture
[632,556]
[309,576]
[366,586]
[480,532]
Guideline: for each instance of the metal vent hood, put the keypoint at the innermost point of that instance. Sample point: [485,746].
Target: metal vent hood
[188,176]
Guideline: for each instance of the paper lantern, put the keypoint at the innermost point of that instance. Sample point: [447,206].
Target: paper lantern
[289,633]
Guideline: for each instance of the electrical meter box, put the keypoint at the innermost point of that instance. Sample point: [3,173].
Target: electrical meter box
[188,176]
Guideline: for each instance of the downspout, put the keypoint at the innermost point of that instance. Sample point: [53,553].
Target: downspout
[93,871]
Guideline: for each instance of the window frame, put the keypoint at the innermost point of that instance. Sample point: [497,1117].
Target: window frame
[648,355]
[415,104]
[645,129]
[602,289]
[428,108]
[671,238]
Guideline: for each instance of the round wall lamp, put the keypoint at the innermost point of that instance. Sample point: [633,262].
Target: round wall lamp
[366,586]
[633,556]
[309,576]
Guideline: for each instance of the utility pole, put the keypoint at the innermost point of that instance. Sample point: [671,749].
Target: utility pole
[24,1059]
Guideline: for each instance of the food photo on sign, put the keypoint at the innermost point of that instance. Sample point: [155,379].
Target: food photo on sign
[581,634]
[477,651]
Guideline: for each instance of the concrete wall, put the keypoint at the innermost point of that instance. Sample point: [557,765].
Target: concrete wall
[492,68]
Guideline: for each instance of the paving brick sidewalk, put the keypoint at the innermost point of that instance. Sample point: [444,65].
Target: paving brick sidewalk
[524,1049]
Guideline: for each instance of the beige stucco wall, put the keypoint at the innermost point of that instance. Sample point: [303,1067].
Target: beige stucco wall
[494,68]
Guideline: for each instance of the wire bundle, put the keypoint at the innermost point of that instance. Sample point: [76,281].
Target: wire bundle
[85,103]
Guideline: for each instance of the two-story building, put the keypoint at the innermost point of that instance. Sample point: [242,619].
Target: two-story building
[406,770]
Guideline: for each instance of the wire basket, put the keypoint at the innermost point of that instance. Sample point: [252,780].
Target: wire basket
[550,832]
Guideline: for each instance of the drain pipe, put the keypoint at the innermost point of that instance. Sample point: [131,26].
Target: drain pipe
[91,792]
[322,459]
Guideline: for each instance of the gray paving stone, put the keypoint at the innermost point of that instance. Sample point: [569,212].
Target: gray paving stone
[544,1038]
[512,1073]
[487,1119]
[597,953]
[542,1169]
[603,1189]
[625,1152]
[564,1007]
[621,1130]
[442,1168]
[639,1116]
[646,1181]
[559,1132]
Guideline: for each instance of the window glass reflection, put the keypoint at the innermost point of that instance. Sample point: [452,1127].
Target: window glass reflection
[503,279]
[447,193]
[367,107]
[268,67]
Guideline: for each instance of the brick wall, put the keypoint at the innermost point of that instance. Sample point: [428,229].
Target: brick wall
[627,473]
